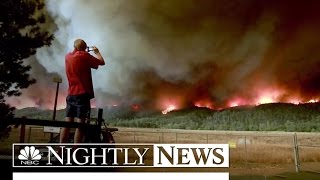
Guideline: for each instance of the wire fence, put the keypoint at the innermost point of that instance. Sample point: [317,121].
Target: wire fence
[295,151]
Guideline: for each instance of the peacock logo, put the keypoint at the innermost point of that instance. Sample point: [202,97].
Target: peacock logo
[29,156]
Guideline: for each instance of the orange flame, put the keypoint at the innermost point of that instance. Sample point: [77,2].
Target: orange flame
[169,109]
[236,102]
[204,104]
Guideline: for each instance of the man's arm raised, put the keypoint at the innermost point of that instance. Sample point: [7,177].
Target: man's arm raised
[99,56]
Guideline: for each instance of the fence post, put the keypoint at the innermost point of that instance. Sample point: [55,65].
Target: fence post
[245,148]
[134,137]
[29,137]
[22,131]
[296,152]
[176,137]
[162,137]
[100,119]
[57,80]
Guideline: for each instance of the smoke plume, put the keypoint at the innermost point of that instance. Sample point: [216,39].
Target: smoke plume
[184,52]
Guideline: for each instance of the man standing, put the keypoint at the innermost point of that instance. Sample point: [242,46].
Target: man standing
[78,70]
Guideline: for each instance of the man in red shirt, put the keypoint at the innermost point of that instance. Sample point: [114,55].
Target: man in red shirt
[78,70]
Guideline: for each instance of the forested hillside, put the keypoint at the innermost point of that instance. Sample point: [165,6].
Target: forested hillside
[266,117]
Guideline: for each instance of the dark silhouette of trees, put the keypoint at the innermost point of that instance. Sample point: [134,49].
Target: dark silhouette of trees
[22,31]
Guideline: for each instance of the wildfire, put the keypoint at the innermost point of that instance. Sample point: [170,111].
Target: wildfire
[313,101]
[265,100]
[169,109]
[294,101]
[167,102]
[204,104]
[271,95]
[135,107]
[266,96]
[236,102]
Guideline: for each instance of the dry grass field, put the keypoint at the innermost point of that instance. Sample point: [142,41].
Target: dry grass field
[250,152]
[253,151]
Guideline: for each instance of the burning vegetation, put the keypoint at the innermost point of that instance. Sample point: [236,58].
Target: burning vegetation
[173,54]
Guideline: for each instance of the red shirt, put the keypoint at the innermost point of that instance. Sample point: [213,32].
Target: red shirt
[78,70]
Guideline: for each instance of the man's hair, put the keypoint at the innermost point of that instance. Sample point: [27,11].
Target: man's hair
[80,45]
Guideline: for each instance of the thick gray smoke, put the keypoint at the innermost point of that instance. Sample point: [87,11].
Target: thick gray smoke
[190,50]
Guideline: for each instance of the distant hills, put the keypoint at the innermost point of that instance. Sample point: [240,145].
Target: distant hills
[265,117]
[108,113]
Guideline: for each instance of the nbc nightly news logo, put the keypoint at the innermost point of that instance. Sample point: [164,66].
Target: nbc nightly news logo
[120,155]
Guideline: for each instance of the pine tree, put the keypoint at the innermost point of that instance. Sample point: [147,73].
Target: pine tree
[21,34]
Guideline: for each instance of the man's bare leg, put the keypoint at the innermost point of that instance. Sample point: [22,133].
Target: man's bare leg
[79,135]
[64,134]
[78,138]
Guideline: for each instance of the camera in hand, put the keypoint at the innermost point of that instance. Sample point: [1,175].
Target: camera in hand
[89,48]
